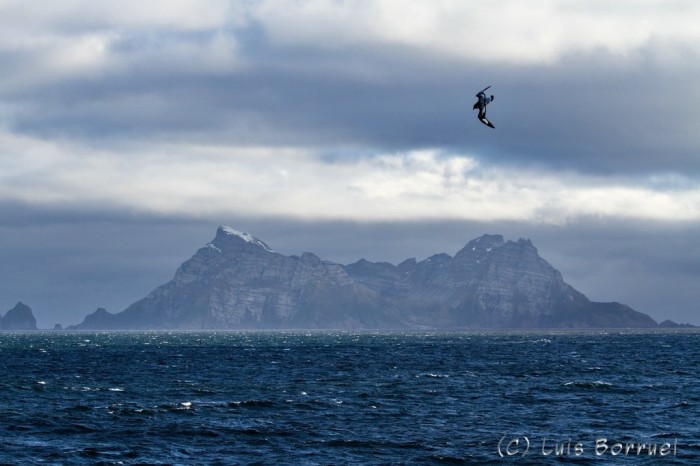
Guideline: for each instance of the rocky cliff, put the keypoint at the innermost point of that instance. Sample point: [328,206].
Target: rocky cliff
[19,317]
[238,281]
[491,283]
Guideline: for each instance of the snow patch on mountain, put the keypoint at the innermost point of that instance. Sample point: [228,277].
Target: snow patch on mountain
[248,238]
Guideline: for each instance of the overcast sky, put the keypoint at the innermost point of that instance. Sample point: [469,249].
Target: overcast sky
[130,130]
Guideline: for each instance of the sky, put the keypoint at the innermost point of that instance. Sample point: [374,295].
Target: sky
[129,131]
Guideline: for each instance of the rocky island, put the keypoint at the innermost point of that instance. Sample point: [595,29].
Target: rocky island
[237,281]
[19,317]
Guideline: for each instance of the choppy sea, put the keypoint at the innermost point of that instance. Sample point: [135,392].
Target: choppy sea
[333,398]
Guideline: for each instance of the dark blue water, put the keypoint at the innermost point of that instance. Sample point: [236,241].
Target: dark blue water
[349,398]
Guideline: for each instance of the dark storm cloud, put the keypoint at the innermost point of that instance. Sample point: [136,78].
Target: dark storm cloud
[303,98]
[589,113]
[593,115]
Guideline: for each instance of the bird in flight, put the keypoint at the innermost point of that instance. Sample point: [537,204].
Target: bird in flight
[481,105]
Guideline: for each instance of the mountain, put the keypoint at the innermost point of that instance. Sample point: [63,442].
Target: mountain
[238,282]
[491,283]
[19,317]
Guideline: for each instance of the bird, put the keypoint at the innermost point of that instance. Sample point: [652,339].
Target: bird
[481,104]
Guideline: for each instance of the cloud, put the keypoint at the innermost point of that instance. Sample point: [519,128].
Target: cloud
[588,87]
[507,31]
[195,181]
[541,32]
[70,15]
[293,108]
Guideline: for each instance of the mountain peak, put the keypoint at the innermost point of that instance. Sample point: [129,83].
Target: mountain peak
[488,240]
[484,243]
[225,233]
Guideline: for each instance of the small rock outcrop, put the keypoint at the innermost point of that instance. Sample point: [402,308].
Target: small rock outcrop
[671,324]
[19,317]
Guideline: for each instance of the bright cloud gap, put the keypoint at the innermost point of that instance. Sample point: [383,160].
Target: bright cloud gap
[420,184]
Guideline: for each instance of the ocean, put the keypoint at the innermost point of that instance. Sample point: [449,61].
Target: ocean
[334,398]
